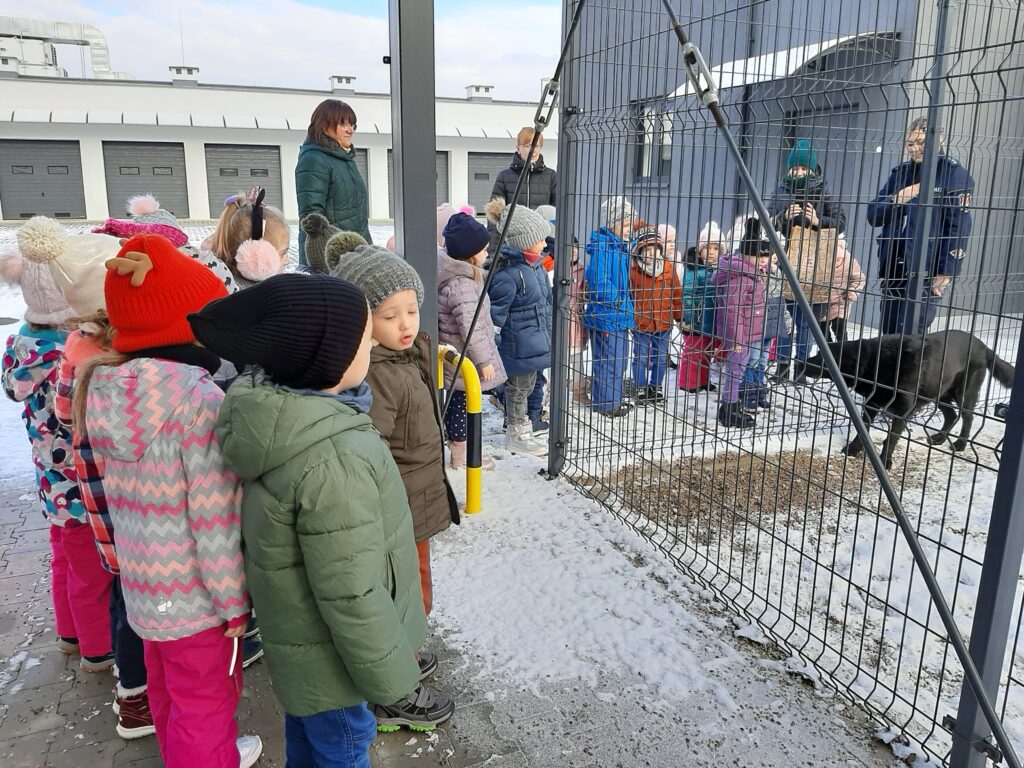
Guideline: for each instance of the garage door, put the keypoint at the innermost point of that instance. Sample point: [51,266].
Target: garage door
[139,168]
[41,177]
[363,164]
[233,168]
[440,186]
[484,168]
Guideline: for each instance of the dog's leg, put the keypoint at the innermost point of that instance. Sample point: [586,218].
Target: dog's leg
[855,446]
[968,404]
[896,428]
[949,417]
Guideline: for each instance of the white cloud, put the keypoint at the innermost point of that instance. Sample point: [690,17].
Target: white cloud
[288,44]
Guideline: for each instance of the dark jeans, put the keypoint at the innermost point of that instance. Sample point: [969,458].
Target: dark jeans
[896,303]
[127,645]
[338,738]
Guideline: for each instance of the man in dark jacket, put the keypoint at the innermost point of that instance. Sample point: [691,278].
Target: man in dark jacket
[897,211]
[539,187]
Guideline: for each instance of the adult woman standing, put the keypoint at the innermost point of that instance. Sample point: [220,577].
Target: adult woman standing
[327,180]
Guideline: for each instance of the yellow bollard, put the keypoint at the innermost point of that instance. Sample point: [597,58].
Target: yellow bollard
[474,410]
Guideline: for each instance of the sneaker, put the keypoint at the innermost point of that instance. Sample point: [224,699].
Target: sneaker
[428,664]
[730,415]
[252,650]
[616,413]
[134,720]
[67,645]
[522,440]
[97,663]
[421,710]
[249,750]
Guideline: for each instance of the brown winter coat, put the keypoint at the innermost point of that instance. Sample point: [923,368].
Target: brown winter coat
[459,285]
[405,412]
[657,301]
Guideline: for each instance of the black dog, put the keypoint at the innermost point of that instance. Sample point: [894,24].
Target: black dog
[899,375]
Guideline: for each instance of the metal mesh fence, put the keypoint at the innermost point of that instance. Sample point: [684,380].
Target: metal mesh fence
[694,405]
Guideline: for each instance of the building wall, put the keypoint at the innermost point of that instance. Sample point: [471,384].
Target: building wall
[197,115]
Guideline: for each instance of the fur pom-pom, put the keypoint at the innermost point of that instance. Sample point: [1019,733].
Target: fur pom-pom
[391,244]
[314,224]
[142,204]
[339,245]
[469,210]
[11,267]
[258,259]
[494,209]
[41,239]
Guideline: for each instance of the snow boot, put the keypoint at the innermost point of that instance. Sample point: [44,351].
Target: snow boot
[731,415]
[519,438]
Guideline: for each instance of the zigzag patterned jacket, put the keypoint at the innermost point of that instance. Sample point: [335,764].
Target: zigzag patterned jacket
[176,508]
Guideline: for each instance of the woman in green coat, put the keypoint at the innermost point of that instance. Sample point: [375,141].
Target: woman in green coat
[327,179]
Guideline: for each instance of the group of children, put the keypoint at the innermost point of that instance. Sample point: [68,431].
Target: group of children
[728,307]
[181,401]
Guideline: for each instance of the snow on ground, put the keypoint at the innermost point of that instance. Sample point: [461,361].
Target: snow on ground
[827,574]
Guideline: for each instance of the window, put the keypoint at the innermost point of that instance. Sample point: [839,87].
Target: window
[264,172]
[57,170]
[482,176]
[22,169]
[163,170]
[126,171]
[5,62]
[228,171]
[652,141]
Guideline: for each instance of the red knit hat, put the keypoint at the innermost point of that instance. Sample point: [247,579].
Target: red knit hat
[150,288]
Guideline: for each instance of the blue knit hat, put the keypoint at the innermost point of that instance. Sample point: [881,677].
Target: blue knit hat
[464,236]
[802,154]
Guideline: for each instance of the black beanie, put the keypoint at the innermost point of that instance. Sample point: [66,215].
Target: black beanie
[303,330]
[464,236]
[754,242]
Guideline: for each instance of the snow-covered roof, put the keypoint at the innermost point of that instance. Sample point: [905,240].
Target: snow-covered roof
[777,65]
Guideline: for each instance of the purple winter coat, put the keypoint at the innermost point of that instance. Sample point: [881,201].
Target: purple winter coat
[741,300]
[459,284]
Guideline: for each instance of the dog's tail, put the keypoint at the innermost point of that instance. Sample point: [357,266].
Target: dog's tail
[1001,369]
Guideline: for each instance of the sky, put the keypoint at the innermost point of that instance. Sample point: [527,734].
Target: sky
[293,43]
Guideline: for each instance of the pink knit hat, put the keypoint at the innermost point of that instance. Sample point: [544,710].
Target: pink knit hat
[45,304]
[147,217]
[444,212]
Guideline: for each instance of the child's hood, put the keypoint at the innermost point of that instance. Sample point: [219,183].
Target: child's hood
[449,269]
[30,361]
[734,266]
[129,404]
[263,426]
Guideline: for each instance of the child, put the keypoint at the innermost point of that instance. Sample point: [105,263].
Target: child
[404,410]
[80,587]
[520,297]
[579,382]
[149,412]
[76,263]
[609,314]
[698,324]
[251,238]
[739,319]
[328,535]
[847,284]
[777,323]
[667,233]
[657,302]
[147,217]
[460,282]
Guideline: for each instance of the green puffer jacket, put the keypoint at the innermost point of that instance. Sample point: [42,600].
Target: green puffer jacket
[329,552]
[327,182]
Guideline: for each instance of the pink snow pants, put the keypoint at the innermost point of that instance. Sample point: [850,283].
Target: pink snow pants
[80,587]
[695,361]
[193,699]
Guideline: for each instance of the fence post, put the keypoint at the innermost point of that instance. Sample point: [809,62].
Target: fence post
[919,263]
[558,432]
[415,144]
[1004,551]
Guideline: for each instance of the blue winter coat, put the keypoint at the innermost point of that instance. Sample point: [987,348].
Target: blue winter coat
[951,219]
[520,297]
[609,303]
[699,299]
